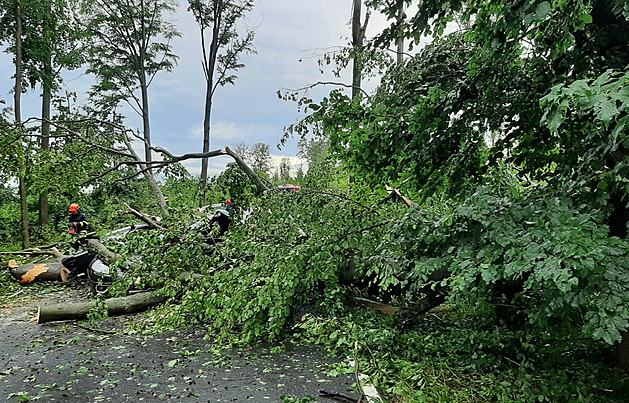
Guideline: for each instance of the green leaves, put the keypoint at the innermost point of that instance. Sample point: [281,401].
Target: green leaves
[557,254]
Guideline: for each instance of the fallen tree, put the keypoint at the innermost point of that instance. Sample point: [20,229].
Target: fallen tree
[114,306]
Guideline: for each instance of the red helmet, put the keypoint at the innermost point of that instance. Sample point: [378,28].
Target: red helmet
[74,207]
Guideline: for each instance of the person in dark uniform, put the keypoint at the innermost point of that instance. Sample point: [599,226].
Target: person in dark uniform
[77,222]
[222,218]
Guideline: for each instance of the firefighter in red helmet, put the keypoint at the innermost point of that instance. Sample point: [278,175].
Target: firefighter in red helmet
[77,222]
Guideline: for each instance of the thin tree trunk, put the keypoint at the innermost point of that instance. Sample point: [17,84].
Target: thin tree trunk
[149,176]
[206,144]
[209,64]
[144,89]
[400,39]
[18,121]
[357,43]
[45,141]
[146,123]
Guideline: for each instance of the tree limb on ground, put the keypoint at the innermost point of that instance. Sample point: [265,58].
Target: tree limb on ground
[341,397]
[114,306]
[378,306]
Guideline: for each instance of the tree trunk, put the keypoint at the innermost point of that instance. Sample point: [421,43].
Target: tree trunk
[18,121]
[206,144]
[209,64]
[357,43]
[149,176]
[252,175]
[45,129]
[400,39]
[32,272]
[146,124]
[114,306]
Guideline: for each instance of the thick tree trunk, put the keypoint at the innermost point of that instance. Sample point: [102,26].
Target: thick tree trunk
[32,272]
[114,306]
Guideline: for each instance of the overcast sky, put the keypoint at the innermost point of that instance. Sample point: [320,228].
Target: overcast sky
[289,33]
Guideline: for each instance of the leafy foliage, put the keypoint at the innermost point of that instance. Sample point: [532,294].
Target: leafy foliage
[282,254]
[461,354]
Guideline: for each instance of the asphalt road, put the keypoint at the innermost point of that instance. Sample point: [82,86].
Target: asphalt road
[66,362]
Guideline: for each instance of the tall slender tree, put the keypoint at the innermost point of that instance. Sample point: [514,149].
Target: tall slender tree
[131,44]
[260,157]
[53,43]
[11,33]
[222,47]
[18,121]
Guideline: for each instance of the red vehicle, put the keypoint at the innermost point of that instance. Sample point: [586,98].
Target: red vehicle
[289,188]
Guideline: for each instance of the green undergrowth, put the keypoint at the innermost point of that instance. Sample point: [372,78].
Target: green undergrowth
[462,355]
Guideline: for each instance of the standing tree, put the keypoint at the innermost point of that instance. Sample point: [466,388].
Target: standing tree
[18,121]
[131,45]
[261,158]
[243,150]
[52,42]
[12,33]
[221,55]
[284,170]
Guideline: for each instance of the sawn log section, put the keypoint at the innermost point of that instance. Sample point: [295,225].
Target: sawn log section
[115,306]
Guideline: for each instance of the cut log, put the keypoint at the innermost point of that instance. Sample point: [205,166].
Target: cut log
[115,306]
[28,273]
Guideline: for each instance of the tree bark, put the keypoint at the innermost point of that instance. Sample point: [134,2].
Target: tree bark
[400,39]
[149,176]
[18,121]
[103,251]
[114,306]
[50,271]
[357,42]
[209,66]
[45,114]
